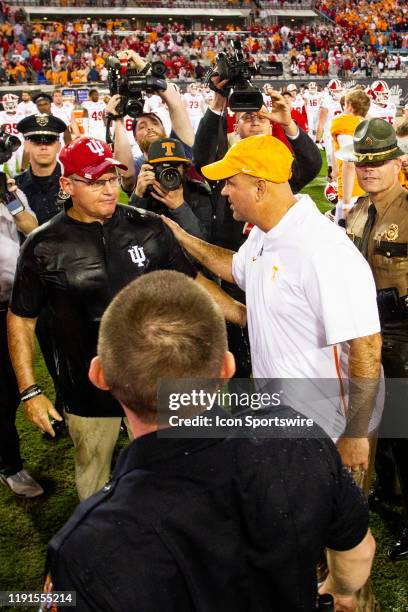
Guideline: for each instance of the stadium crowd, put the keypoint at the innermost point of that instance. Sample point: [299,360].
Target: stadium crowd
[75,52]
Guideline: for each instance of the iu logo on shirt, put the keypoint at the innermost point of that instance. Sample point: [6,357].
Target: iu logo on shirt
[137,255]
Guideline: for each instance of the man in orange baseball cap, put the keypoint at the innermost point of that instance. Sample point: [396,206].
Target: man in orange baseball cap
[299,312]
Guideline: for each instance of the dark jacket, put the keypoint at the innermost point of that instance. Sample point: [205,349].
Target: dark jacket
[74,270]
[195,215]
[42,193]
[209,525]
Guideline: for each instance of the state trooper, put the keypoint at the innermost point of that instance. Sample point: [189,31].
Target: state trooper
[378,226]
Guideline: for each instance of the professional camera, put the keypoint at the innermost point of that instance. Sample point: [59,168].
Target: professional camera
[242,96]
[133,83]
[167,175]
[8,144]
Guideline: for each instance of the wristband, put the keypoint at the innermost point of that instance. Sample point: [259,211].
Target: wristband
[30,392]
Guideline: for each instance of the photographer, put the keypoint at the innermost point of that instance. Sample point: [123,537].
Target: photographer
[15,217]
[147,126]
[165,187]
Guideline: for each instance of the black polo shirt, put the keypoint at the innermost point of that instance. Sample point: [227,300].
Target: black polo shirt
[73,270]
[42,193]
[232,525]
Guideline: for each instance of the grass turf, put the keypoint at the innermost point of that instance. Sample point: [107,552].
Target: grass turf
[27,525]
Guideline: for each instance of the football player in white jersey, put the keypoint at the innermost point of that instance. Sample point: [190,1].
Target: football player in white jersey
[9,118]
[26,107]
[381,106]
[195,104]
[63,111]
[313,99]
[94,116]
[154,104]
[330,108]
[266,97]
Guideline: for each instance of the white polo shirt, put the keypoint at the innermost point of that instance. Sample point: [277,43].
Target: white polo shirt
[308,291]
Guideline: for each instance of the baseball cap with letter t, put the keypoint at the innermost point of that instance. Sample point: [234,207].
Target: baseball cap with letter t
[167,150]
[88,157]
[260,156]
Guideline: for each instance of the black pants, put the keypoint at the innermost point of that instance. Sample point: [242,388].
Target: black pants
[392,453]
[10,458]
[238,340]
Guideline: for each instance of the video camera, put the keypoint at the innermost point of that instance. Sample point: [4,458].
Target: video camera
[133,84]
[8,145]
[242,96]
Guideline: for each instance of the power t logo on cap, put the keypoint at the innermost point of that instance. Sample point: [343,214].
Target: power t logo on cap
[167,150]
[168,147]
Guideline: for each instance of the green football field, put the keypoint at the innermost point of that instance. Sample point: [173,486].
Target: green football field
[27,525]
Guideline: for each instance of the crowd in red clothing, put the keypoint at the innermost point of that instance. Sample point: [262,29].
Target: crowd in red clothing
[76,52]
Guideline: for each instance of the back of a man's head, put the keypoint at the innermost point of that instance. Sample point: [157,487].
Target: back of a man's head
[162,325]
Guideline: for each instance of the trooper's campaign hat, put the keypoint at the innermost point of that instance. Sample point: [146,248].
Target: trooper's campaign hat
[167,150]
[46,128]
[374,141]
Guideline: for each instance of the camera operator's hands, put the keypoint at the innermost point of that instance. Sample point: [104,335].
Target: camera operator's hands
[132,57]
[171,95]
[281,112]
[172,199]
[146,177]
[112,104]
[219,102]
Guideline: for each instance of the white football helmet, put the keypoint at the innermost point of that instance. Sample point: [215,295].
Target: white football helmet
[312,87]
[331,194]
[10,102]
[380,92]
[335,88]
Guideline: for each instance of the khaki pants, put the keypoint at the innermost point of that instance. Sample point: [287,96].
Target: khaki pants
[366,601]
[94,442]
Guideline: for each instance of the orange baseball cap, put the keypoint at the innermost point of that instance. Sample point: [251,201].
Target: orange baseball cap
[261,156]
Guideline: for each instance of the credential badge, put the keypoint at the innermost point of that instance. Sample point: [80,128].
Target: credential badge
[392,232]
[42,120]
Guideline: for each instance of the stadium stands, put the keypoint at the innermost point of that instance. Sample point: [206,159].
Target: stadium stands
[75,51]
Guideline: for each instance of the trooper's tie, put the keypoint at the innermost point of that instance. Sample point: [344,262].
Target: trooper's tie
[367,230]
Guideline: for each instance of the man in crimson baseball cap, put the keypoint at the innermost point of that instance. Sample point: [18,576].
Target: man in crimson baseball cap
[88,157]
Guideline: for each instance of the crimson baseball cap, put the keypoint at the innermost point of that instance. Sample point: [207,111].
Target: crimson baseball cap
[87,157]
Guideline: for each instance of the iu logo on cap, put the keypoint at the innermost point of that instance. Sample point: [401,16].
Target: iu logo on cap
[96,147]
[137,255]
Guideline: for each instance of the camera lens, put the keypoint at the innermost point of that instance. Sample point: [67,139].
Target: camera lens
[134,108]
[170,179]
[159,69]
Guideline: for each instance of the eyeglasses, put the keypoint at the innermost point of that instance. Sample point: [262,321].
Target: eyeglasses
[100,183]
[253,117]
